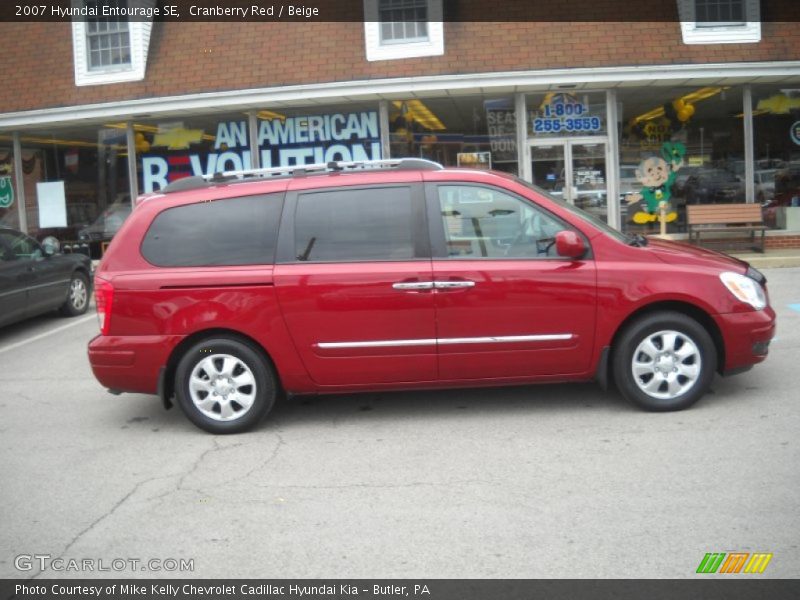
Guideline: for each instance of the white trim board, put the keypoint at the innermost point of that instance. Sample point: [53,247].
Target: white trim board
[397,88]
[139,37]
[376,50]
[747,32]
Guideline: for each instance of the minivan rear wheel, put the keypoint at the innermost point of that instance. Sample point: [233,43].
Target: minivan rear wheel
[664,361]
[223,385]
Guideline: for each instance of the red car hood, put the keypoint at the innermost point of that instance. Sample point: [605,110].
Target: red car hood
[676,253]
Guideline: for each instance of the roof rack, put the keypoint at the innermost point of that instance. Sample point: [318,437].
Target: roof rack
[401,164]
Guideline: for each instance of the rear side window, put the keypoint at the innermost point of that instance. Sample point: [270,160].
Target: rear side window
[234,231]
[355,225]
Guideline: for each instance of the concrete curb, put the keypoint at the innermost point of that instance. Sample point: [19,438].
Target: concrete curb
[771,259]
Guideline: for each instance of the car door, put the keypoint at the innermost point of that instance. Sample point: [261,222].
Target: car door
[14,281]
[353,279]
[506,304]
[47,278]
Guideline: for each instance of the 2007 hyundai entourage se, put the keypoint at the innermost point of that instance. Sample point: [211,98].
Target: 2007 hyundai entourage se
[223,291]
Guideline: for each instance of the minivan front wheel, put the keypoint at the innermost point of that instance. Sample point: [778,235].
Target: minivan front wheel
[664,361]
[223,385]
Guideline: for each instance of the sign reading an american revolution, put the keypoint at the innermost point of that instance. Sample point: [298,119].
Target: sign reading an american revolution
[282,142]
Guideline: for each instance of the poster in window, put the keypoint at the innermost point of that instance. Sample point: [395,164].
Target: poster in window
[475,160]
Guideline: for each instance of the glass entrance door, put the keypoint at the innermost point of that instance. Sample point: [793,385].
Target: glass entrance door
[574,170]
[548,167]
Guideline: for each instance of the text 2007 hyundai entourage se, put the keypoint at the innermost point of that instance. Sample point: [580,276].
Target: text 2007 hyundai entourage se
[222,292]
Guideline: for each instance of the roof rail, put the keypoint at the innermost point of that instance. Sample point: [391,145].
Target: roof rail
[402,164]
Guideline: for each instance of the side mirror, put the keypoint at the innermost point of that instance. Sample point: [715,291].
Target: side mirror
[50,246]
[570,245]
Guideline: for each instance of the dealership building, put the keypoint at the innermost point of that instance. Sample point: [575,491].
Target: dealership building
[96,111]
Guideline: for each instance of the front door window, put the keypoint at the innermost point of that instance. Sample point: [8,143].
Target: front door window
[484,222]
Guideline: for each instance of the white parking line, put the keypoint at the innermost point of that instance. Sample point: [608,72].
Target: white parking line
[46,333]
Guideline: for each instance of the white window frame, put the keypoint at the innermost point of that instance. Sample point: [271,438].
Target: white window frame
[433,46]
[748,32]
[139,32]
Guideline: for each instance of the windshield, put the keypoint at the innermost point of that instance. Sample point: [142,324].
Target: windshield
[581,214]
[766,176]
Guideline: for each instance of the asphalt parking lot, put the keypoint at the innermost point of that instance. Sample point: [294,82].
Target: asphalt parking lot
[546,481]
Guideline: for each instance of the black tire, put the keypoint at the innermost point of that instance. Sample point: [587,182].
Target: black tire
[77,301]
[673,384]
[210,410]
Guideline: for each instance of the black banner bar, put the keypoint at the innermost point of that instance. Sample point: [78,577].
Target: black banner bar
[713,588]
[275,11]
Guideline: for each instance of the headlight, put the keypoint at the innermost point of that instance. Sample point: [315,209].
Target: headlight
[745,289]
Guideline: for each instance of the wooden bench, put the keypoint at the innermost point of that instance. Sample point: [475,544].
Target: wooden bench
[726,218]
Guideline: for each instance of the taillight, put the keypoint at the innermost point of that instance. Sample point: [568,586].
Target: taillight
[104,297]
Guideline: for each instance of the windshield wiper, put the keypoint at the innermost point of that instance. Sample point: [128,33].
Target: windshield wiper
[637,239]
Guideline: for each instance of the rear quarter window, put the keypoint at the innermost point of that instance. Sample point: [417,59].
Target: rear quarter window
[231,231]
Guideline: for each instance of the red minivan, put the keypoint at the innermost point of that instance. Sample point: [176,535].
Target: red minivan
[222,292]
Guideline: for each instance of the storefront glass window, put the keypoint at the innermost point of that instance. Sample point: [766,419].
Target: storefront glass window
[566,114]
[567,135]
[172,148]
[776,130]
[73,179]
[470,131]
[678,146]
[9,198]
[318,134]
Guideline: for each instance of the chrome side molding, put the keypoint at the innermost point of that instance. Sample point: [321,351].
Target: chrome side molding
[499,339]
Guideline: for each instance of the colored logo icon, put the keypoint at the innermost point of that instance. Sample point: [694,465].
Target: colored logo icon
[6,192]
[794,132]
[734,562]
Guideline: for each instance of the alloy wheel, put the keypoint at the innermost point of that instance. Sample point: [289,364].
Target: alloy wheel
[222,387]
[666,364]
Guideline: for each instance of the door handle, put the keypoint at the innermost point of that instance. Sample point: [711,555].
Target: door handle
[413,285]
[451,285]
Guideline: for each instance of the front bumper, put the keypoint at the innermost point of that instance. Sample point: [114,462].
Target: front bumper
[131,363]
[746,336]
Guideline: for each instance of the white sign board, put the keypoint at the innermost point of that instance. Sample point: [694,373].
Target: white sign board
[52,204]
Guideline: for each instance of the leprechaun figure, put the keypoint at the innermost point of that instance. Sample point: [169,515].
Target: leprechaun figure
[657,174]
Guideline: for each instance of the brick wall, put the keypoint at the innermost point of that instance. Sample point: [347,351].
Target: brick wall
[186,58]
[782,242]
[779,240]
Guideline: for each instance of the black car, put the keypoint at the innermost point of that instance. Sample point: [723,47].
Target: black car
[786,194]
[708,186]
[35,278]
[104,227]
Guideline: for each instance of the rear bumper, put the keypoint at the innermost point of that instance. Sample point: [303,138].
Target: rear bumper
[131,363]
[746,336]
